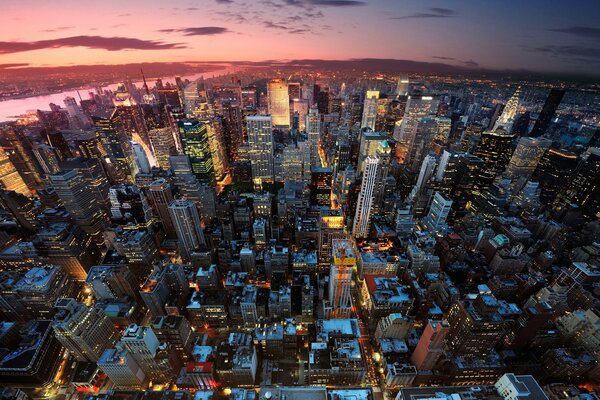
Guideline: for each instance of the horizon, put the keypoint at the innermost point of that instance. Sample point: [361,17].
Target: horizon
[547,38]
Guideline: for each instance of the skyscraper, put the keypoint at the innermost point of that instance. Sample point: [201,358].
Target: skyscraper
[509,114]
[495,150]
[260,140]
[84,331]
[431,345]
[79,201]
[438,212]
[9,176]
[161,195]
[548,111]
[279,103]
[417,107]
[340,278]
[163,146]
[364,205]
[194,137]
[553,171]
[186,220]
[526,157]
[369,116]
[320,186]
[313,131]
[141,159]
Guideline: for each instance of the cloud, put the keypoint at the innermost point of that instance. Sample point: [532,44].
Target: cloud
[324,3]
[13,65]
[435,12]
[581,31]
[92,42]
[198,31]
[224,1]
[466,63]
[58,28]
[569,51]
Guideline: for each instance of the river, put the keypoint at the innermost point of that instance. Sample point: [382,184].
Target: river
[11,109]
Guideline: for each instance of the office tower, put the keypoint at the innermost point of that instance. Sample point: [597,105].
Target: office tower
[19,150]
[369,115]
[169,97]
[370,143]
[320,186]
[313,132]
[495,149]
[186,220]
[584,188]
[526,157]
[553,171]
[68,246]
[294,90]
[116,144]
[475,325]
[21,207]
[509,114]
[522,331]
[426,171]
[217,148]
[321,95]
[548,111]
[92,172]
[131,116]
[195,141]
[340,278]
[225,93]
[140,158]
[160,195]
[10,179]
[163,146]
[129,207]
[431,345]
[249,100]
[122,369]
[175,330]
[84,331]
[402,86]
[465,180]
[79,201]
[331,226]
[233,130]
[46,157]
[417,108]
[260,140]
[112,282]
[139,249]
[366,197]
[144,347]
[279,103]
[438,212]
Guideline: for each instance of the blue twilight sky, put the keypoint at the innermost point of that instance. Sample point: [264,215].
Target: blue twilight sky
[538,35]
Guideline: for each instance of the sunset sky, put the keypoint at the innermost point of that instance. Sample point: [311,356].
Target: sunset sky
[538,35]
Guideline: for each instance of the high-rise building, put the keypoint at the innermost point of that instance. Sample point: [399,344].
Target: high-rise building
[403,86]
[370,144]
[186,220]
[548,111]
[369,116]
[554,169]
[431,345]
[19,150]
[112,282]
[260,140]
[417,108]
[366,197]
[320,186]
[116,145]
[122,369]
[279,102]
[194,138]
[160,194]
[584,189]
[313,132]
[509,114]
[526,157]
[340,278]
[129,207]
[495,149]
[79,201]
[10,179]
[163,146]
[84,331]
[331,226]
[438,212]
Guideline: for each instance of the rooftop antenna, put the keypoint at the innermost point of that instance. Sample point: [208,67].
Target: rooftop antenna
[80,99]
[145,84]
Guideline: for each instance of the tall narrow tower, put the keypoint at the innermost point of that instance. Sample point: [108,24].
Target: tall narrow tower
[507,119]
[279,102]
[366,197]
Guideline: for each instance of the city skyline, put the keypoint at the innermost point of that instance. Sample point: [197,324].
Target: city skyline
[539,36]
